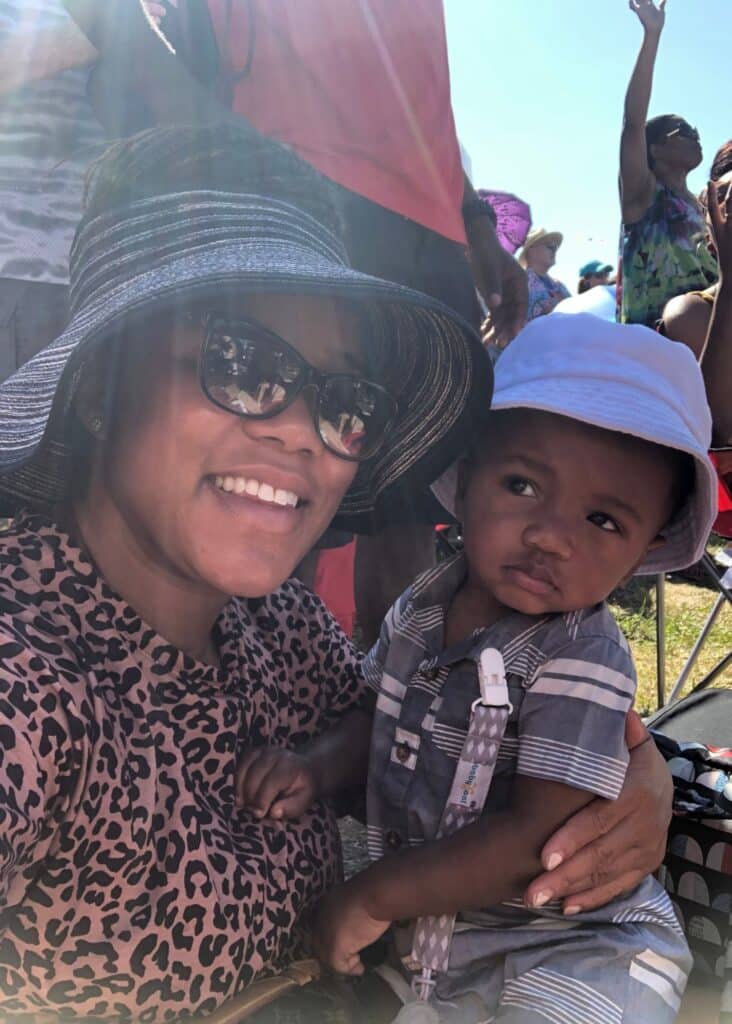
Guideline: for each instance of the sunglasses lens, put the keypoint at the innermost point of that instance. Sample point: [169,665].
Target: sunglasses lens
[354,416]
[248,375]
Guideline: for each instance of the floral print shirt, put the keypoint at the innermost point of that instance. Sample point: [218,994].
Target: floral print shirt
[661,256]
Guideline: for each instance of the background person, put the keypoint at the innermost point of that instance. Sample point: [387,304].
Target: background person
[662,251]
[538,256]
[686,318]
[593,274]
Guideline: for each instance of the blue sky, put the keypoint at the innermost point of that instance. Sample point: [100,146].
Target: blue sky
[538,88]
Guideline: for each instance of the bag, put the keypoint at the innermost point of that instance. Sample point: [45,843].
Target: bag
[695,737]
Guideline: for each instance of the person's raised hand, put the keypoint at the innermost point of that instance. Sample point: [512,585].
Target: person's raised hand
[273,782]
[651,17]
[719,204]
[607,848]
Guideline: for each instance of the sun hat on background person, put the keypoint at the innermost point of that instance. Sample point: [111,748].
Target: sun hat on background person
[435,366]
[539,236]
[621,378]
[538,256]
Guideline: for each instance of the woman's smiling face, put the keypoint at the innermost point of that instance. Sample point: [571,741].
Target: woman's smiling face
[182,472]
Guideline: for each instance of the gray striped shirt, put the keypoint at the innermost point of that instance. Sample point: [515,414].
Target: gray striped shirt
[48,137]
[571,682]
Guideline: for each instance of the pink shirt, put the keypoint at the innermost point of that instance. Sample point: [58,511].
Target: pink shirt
[360,89]
[130,886]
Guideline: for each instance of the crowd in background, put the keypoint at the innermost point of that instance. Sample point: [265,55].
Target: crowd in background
[362,96]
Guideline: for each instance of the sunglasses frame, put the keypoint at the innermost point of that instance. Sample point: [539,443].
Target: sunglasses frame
[310,378]
[683,131]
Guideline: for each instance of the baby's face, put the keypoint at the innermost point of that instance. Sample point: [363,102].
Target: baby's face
[556,514]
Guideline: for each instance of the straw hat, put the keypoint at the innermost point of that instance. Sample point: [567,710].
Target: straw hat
[536,236]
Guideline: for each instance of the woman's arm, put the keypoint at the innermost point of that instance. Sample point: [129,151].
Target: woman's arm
[686,319]
[716,361]
[498,277]
[636,179]
[611,845]
[42,753]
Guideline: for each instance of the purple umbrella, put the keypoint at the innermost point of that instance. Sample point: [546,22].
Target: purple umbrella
[513,217]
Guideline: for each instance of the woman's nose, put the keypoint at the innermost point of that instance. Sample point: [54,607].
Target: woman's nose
[293,429]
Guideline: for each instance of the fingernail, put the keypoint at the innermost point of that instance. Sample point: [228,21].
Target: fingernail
[569,911]
[541,898]
[554,861]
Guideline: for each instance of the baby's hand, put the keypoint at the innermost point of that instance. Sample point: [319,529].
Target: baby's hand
[342,928]
[276,783]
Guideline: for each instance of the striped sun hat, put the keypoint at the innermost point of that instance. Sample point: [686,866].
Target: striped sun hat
[164,251]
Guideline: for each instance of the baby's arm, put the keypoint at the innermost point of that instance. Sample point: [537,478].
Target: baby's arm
[485,863]
[279,783]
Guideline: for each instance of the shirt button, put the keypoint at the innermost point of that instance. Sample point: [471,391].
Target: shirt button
[402,753]
[393,840]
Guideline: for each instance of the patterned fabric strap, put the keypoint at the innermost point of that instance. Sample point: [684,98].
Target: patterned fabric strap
[470,785]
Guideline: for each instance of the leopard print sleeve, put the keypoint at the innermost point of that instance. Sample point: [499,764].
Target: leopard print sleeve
[324,667]
[42,749]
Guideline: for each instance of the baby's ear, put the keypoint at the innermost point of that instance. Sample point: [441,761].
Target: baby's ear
[658,542]
[461,486]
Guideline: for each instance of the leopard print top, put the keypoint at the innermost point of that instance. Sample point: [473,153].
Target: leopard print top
[130,887]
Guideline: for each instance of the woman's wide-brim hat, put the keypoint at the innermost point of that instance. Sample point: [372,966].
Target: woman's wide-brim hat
[181,249]
[536,236]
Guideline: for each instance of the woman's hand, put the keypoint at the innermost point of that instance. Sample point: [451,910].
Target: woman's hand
[652,18]
[342,928]
[275,783]
[720,218]
[611,845]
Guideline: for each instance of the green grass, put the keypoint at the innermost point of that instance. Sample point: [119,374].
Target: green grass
[687,606]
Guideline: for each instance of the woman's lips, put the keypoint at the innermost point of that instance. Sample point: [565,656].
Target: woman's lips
[269,516]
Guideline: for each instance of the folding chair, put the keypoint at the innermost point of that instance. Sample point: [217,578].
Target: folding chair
[718,568]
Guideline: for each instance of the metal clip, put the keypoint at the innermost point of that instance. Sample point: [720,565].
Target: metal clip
[492,680]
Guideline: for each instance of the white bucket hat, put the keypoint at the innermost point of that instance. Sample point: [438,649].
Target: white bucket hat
[624,378]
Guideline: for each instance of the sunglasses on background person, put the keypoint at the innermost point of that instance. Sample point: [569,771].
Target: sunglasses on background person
[250,371]
[684,131]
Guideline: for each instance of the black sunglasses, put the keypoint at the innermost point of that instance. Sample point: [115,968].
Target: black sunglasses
[252,372]
[684,131]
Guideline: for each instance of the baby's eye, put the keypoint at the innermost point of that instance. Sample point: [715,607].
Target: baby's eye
[521,486]
[604,521]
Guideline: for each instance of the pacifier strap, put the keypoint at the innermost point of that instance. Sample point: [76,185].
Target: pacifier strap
[468,794]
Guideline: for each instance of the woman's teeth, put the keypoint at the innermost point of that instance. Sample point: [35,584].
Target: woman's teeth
[255,489]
